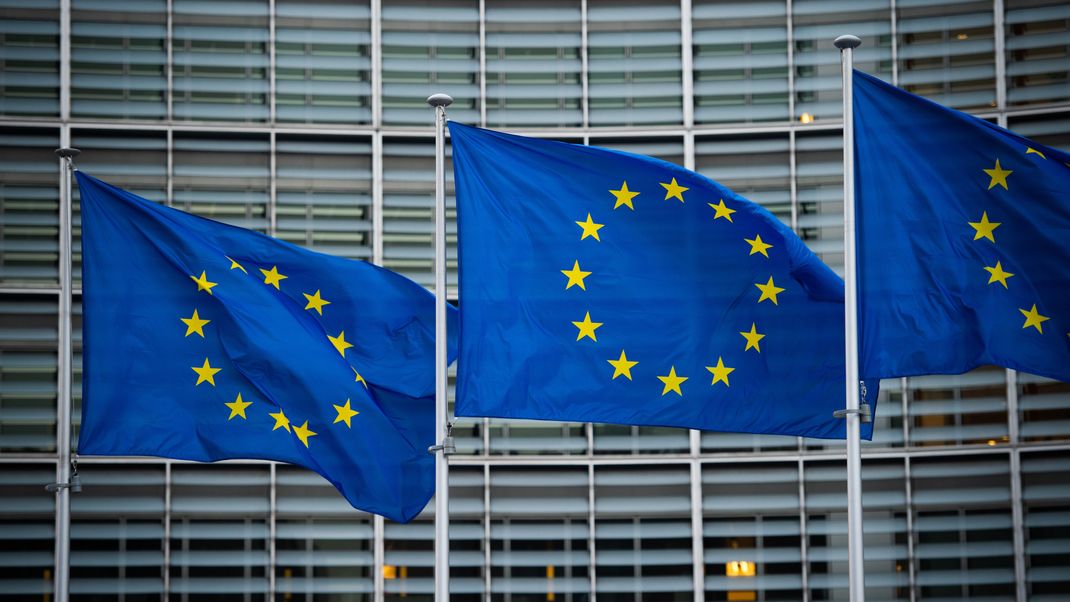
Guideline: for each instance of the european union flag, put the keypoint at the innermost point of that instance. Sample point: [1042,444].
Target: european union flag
[603,286]
[204,342]
[963,238]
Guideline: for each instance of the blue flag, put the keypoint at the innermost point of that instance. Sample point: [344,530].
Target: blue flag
[603,286]
[204,342]
[964,241]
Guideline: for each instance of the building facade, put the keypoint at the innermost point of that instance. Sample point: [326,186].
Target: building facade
[306,120]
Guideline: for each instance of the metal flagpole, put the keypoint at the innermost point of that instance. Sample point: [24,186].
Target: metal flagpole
[853,413]
[445,445]
[65,481]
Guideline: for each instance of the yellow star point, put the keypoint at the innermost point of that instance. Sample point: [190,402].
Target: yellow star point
[622,366]
[1033,151]
[998,175]
[1034,319]
[316,302]
[587,328]
[281,421]
[234,265]
[674,190]
[237,407]
[202,283]
[722,210]
[984,228]
[345,413]
[194,324]
[575,276]
[272,276]
[757,245]
[720,372]
[672,382]
[753,336]
[359,379]
[590,228]
[340,343]
[998,275]
[303,433]
[769,291]
[624,196]
[205,373]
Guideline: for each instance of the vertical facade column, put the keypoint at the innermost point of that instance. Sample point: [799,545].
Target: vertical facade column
[804,547]
[585,98]
[592,534]
[1000,31]
[65,62]
[483,63]
[377,63]
[698,560]
[272,515]
[687,71]
[486,534]
[1017,510]
[169,68]
[895,44]
[271,63]
[273,222]
[167,531]
[912,575]
[377,198]
[378,558]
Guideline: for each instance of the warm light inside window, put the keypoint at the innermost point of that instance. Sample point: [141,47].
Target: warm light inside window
[806,118]
[962,36]
[739,568]
[390,571]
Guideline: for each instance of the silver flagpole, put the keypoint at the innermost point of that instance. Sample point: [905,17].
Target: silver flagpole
[442,425]
[854,415]
[64,483]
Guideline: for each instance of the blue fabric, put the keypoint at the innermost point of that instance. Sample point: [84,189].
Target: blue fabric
[927,302]
[140,264]
[673,286]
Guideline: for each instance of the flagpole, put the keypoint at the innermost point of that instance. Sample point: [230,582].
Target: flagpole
[445,445]
[856,575]
[64,482]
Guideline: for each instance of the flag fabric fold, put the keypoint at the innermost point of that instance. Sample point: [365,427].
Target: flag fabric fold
[604,286]
[203,341]
[963,231]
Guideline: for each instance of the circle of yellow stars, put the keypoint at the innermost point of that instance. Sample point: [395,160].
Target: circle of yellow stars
[985,229]
[587,328]
[195,325]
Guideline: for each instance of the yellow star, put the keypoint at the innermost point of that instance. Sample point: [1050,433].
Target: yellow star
[587,327]
[722,210]
[590,228]
[624,196]
[998,175]
[769,291]
[1033,151]
[340,343]
[234,265]
[1032,318]
[998,275]
[672,382]
[237,407]
[202,283]
[194,324]
[752,338]
[672,189]
[316,302]
[206,373]
[345,413]
[303,433]
[281,421]
[984,228]
[720,372]
[359,379]
[758,246]
[272,276]
[575,276]
[622,366]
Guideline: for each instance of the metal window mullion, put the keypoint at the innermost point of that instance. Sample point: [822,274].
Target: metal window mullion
[698,561]
[273,223]
[895,43]
[377,198]
[378,558]
[912,574]
[1017,512]
[65,62]
[804,544]
[272,515]
[483,62]
[486,533]
[585,96]
[689,150]
[793,184]
[791,88]
[904,384]
[687,74]
[376,57]
[271,61]
[169,66]
[1000,31]
[592,552]
[169,200]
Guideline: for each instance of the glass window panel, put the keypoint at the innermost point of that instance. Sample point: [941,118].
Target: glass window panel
[534,559]
[947,51]
[1051,129]
[29,207]
[1047,524]
[538,491]
[959,409]
[740,56]
[323,188]
[28,338]
[322,61]
[817,64]
[220,60]
[429,48]
[27,522]
[754,167]
[118,59]
[223,177]
[29,59]
[1043,408]
[884,526]
[819,185]
[1037,52]
[533,63]
[634,68]
[536,437]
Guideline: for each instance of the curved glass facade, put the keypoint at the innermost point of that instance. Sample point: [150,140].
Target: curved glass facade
[306,121]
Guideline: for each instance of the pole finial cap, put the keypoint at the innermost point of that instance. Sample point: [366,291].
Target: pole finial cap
[847,41]
[440,100]
[67,153]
